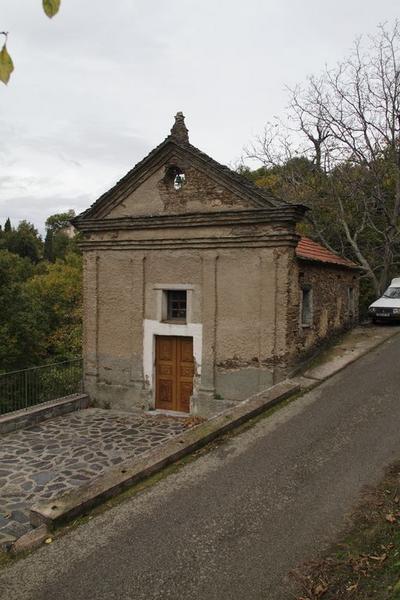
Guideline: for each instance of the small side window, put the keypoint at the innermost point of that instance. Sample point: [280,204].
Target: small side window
[306,306]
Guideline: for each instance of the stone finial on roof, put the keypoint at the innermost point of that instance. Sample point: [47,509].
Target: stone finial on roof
[179,130]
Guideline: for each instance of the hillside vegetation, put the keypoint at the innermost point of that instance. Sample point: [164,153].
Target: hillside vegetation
[40,294]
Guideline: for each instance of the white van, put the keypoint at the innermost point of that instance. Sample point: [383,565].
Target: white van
[387,307]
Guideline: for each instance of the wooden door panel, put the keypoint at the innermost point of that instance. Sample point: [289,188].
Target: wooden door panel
[166,348]
[185,392]
[185,371]
[174,372]
[186,350]
[165,394]
[165,372]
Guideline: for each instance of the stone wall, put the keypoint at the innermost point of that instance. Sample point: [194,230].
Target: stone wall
[331,309]
[27,417]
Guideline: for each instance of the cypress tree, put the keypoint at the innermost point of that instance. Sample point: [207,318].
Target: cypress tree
[48,251]
[7,226]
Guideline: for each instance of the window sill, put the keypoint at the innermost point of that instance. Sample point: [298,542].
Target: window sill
[174,322]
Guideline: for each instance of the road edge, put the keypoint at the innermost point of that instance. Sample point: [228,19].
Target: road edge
[78,502]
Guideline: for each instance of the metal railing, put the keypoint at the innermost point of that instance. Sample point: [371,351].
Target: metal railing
[25,388]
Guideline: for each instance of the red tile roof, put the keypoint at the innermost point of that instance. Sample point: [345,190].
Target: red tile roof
[310,250]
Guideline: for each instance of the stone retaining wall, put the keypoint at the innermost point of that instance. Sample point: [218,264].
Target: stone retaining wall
[34,414]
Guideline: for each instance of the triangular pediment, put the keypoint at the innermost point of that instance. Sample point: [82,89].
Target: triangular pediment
[206,186]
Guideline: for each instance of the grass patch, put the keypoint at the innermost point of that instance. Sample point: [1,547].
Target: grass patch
[365,563]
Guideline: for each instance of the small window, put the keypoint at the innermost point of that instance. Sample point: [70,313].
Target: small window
[306,306]
[176,305]
[175,177]
[179,181]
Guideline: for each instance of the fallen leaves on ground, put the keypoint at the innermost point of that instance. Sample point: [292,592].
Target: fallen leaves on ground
[380,558]
[193,421]
[362,565]
[390,518]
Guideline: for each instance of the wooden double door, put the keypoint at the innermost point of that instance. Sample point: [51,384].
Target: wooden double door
[174,372]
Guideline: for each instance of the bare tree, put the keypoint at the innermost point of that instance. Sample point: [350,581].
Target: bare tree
[347,123]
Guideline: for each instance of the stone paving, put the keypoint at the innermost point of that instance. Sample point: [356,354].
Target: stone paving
[49,459]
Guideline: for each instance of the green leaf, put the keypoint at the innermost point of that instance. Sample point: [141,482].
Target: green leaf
[51,7]
[6,65]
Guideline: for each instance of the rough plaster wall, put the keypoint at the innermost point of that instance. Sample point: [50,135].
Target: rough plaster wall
[238,301]
[284,258]
[248,301]
[238,318]
[117,346]
[156,196]
[126,296]
[120,292]
[330,304]
[171,267]
[251,319]
[254,287]
[112,346]
[90,313]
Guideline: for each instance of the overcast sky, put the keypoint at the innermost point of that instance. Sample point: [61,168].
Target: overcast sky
[96,88]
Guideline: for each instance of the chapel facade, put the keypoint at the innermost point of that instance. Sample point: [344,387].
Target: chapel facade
[198,289]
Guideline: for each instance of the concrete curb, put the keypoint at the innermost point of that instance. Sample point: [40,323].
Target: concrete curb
[30,540]
[322,372]
[114,481]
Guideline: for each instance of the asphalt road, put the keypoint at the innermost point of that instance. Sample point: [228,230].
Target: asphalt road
[231,524]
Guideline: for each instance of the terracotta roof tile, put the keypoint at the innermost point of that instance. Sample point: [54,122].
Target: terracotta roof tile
[310,250]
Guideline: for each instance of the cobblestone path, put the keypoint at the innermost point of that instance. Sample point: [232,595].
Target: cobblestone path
[49,459]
